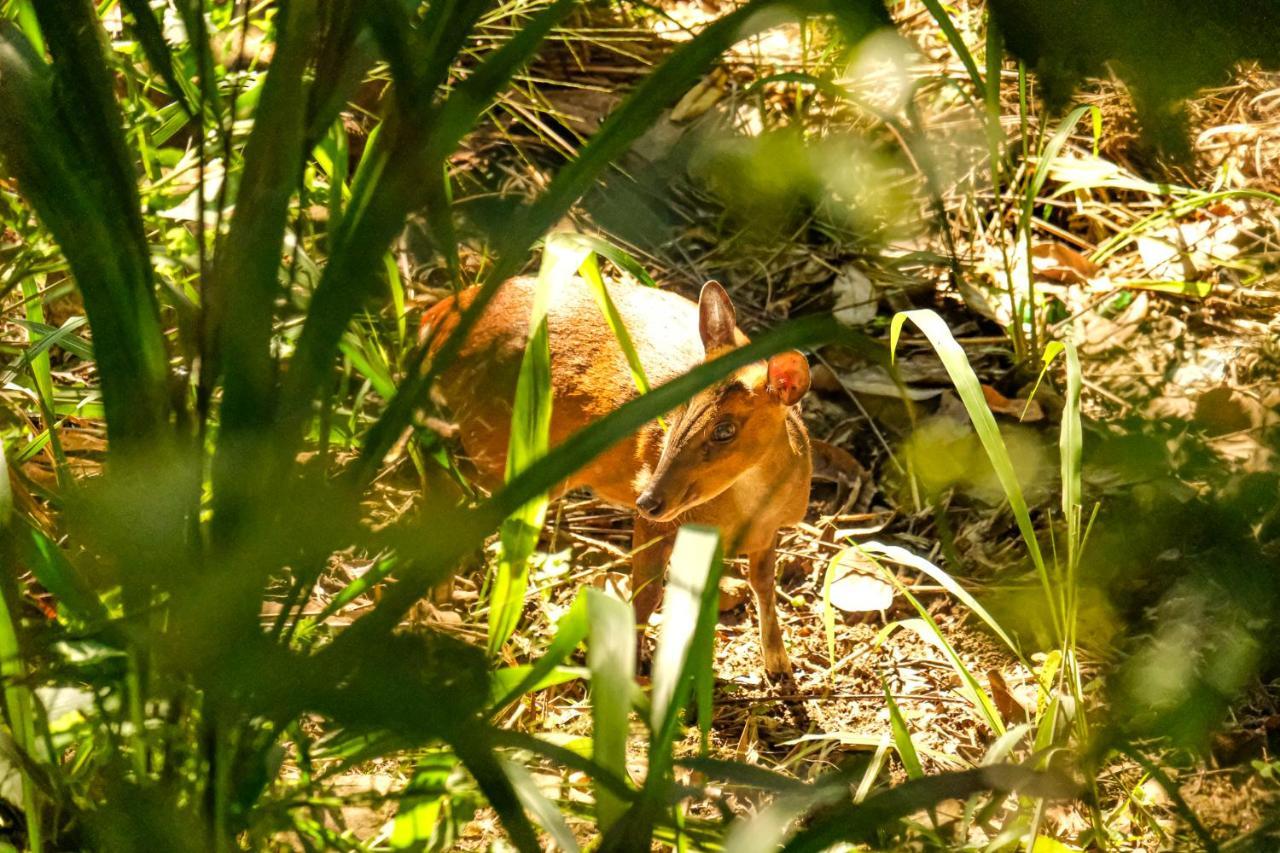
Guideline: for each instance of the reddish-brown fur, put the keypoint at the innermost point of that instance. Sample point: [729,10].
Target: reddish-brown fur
[748,485]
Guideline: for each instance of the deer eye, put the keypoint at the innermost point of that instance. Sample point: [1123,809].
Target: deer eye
[724,431]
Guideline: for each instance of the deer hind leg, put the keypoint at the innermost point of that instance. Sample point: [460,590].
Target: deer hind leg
[761,578]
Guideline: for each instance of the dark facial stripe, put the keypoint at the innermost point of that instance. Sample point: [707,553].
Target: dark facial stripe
[696,417]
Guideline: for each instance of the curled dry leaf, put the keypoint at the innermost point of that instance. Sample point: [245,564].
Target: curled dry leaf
[1014,408]
[855,592]
[1056,262]
[1007,704]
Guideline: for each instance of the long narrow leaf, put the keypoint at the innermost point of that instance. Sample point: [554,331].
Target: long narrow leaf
[860,823]
[684,641]
[984,423]
[529,440]
[246,282]
[611,657]
[151,37]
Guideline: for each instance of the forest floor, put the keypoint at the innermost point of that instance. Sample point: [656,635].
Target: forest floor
[1177,327]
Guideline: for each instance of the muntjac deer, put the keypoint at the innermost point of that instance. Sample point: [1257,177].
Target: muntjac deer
[735,457]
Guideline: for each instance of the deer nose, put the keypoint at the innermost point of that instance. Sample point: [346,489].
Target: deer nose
[649,503]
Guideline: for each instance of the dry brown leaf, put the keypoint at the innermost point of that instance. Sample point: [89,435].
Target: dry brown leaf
[1002,405]
[1006,703]
[1056,262]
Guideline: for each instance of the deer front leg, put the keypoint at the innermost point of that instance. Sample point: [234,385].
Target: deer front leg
[761,578]
[651,545]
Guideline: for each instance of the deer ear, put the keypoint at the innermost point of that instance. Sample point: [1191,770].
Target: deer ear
[788,377]
[716,318]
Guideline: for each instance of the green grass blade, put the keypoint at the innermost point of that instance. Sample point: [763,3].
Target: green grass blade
[246,284]
[1050,152]
[829,610]
[991,91]
[246,280]
[969,390]
[930,632]
[37,358]
[56,573]
[956,41]
[686,637]
[160,57]
[611,658]
[863,822]
[902,556]
[485,766]
[1070,440]
[529,441]
[590,270]
[1051,351]
[540,807]
[620,258]
[46,337]
[421,803]
[572,628]
[1047,155]
[767,831]
[19,701]
[902,741]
